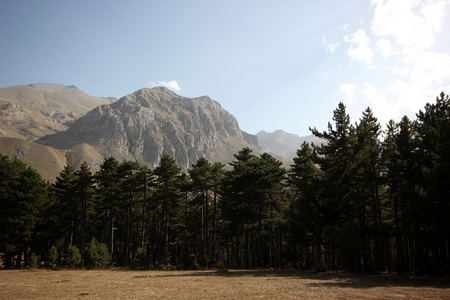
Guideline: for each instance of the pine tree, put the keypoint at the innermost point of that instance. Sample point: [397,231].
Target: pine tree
[201,176]
[252,195]
[84,196]
[433,127]
[128,203]
[366,168]
[335,158]
[168,195]
[107,201]
[23,197]
[217,178]
[66,207]
[306,216]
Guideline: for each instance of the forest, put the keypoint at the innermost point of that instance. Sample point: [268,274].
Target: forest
[367,200]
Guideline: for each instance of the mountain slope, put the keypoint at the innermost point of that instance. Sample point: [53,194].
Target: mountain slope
[150,123]
[282,144]
[35,110]
[49,161]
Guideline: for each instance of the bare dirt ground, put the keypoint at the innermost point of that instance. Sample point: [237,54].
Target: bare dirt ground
[214,284]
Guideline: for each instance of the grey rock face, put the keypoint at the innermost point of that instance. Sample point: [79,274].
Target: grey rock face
[150,123]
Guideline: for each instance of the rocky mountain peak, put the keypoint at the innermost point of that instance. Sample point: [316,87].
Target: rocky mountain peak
[150,123]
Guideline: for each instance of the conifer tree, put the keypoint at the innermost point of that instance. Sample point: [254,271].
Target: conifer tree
[66,207]
[306,216]
[366,169]
[335,160]
[168,195]
[201,176]
[129,200]
[107,201]
[23,196]
[84,196]
[433,127]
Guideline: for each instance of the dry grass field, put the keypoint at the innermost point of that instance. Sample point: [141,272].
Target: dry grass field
[214,284]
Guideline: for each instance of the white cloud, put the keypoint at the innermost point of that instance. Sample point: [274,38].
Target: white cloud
[172,85]
[360,47]
[412,23]
[431,69]
[385,47]
[407,30]
[383,110]
[348,90]
[329,46]
[399,99]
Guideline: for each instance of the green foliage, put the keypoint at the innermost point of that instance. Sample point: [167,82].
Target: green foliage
[189,262]
[103,254]
[52,257]
[72,256]
[32,261]
[141,261]
[96,254]
[23,200]
[253,194]
[91,254]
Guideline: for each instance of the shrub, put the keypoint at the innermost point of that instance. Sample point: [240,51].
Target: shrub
[189,262]
[32,261]
[103,254]
[52,257]
[141,260]
[90,254]
[73,256]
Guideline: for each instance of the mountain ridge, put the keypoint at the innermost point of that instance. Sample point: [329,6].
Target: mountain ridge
[150,123]
[283,145]
[35,110]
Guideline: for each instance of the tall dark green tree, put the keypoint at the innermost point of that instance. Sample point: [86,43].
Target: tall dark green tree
[23,197]
[201,176]
[366,169]
[251,204]
[305,216]
[107,201]
[129,198]
[217,174]
[66,207]
[84,196]
[168,196]
[236,208]
[400,157]
[335,159]
[433,127]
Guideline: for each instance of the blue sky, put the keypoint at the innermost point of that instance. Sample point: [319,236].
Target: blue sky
[272,64]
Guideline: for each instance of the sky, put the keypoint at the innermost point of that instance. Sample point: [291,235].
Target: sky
[282,64]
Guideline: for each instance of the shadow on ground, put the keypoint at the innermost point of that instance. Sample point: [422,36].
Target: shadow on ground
[330,279]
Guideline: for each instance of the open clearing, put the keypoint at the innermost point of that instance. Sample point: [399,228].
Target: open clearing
[214,284]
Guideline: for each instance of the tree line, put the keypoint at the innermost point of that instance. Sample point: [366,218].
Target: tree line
[365,200]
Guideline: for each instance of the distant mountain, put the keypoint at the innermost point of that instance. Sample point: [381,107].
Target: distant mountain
[35,110]
[150,123]
[47,160]
[283,145]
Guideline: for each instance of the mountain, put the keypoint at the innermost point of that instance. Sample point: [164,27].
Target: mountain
[283,145]
[47,160]
[150,123]
[33,111]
